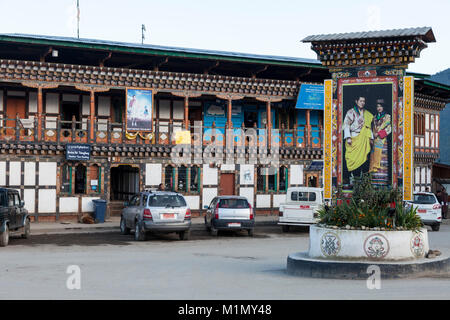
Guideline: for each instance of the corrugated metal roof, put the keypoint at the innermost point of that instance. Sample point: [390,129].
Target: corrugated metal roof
[425,32]
[110,45]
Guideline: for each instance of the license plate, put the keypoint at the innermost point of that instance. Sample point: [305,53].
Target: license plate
[422,210]
[234,225]
[168,216]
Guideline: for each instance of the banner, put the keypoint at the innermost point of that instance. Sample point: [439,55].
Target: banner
[139,115]
[328,130]
[408,136]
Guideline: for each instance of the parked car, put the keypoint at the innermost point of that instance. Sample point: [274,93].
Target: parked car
[300,207]
[428,208]
[13,216]
[159,211]
[229,213]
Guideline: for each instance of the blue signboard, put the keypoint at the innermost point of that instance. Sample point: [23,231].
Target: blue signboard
[310,97]
[79,152]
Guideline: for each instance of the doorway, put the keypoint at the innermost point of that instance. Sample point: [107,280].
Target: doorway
[124,182]
[14,107]
[312,180]
[68,111]
[226,187]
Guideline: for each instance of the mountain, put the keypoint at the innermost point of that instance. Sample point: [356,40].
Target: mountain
[444,130]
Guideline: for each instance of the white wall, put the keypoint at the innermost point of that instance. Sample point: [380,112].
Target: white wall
[29,197]
[30,173]
[209,175]
[14,173]
[2,173]
[68,204]
[208,195]
[87,205]
[153,174]
[248,169]
[296,174]
[47,201]
[193,202]
[248,193]
[263,200]
[47,173]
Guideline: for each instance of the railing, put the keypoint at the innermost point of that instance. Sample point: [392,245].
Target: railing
[56,131]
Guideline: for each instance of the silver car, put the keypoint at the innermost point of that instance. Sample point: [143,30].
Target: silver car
[157,211]
[231,213]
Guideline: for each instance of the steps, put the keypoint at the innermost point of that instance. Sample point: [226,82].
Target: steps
[115,208]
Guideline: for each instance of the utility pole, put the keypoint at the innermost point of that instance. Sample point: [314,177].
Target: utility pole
[78,19]
[143,30]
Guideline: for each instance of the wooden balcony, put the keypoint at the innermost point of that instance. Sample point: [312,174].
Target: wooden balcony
[57,133]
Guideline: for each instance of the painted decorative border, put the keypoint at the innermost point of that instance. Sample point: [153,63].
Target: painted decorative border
[408,131]
[417,245]
[376,246]
[395,145]
[328,161]
[330,244]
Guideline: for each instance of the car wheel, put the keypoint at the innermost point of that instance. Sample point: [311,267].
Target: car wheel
[250,232]
[285,228]
[214,231]
[184,235]
[4,237]
[123,227]
[26,229]
[139,234]
[435,227]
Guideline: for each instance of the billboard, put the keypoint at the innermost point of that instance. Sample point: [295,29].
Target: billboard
[139,115]
[367,126]
[310,97]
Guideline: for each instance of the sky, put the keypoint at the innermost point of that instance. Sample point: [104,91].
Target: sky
[248,26]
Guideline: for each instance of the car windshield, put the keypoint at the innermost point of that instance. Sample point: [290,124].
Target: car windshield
[233,203]
[166,200]
[3,201]
[303,196]
[424,199]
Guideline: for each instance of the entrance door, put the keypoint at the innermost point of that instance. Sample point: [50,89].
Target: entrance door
[226,187]
[124,182]
[14,107]
[312,181]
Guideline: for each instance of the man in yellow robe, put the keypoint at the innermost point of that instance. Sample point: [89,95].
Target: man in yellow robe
[357,136]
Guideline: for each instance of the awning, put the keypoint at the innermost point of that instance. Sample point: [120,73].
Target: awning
[311,96]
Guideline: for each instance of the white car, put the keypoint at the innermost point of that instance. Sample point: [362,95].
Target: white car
[428,208]
[300,207]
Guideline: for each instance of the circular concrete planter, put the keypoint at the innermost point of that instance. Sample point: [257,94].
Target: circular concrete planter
[343,244]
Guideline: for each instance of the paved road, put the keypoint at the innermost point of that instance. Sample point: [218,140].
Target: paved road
[232,266]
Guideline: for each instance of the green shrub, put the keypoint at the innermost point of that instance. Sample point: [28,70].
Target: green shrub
[370,207]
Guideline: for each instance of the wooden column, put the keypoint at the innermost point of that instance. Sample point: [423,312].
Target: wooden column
[229,112]
[269,100]
[186,113]
[40,101]
[308,128]
[92,115]
[92,90]
[40,109]
[186,95]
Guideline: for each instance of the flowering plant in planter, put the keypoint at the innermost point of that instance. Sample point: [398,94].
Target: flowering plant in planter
[371,207]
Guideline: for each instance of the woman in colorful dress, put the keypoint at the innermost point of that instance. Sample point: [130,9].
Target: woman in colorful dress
[379,159]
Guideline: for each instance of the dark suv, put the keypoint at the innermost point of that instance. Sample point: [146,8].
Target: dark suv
[13,216]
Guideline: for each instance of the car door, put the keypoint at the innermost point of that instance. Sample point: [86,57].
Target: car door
[12,211]
[128,212]
[210,211]
[19,210]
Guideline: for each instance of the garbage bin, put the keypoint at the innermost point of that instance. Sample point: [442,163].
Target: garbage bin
[99,210]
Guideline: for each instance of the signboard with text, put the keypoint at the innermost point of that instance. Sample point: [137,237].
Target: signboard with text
[78,152]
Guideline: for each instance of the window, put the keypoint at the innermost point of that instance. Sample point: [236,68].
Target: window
[66,179]
[168,178]
[182,179]
[10,200]
[80,179]
[234,203]
[166,200]
[272,179]
[303,196]
[195,179]
[283,179]
[144,200]
[94,177]
[3,201]
[424,199]
[260,179]
[134,201]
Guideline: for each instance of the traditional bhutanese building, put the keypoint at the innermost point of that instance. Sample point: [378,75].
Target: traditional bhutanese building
[57,93]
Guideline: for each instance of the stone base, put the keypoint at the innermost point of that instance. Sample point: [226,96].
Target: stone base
[300,264]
